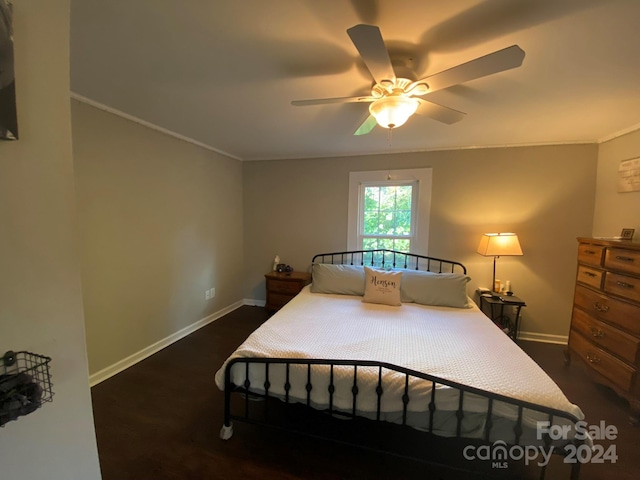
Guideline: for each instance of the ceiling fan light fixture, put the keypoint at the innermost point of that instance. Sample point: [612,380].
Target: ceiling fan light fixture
[393,111]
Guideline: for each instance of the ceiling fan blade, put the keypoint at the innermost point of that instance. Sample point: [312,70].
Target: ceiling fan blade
[505,59]
[438,112]
[324,101]
[370,45]
[366,126]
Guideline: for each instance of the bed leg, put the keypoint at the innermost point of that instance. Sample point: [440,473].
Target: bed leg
[634,415]
[226,432]
[567,356]
[575,471]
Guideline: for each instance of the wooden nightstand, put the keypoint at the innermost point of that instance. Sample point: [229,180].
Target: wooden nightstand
[282,287]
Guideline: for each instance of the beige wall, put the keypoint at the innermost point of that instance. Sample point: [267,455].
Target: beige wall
[615,210]
[545,194]
[160,222]
[40,289]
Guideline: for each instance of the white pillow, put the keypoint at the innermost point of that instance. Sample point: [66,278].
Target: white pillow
[341,279]
[382,286]
[440,289]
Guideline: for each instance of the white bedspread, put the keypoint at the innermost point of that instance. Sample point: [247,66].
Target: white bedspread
[461,345]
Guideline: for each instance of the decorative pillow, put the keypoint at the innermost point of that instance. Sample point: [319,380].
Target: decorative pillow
[440,289]
[341,279]
[382,287]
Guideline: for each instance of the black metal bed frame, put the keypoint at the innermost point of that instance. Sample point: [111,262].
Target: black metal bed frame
[251,413]
[392,259]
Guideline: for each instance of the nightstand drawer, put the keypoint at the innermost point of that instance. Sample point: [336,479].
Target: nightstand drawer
[623,260]
[283,286]
[289,287]
[277,300]
[590,254]
[605,364]
[589,276]
[616,341]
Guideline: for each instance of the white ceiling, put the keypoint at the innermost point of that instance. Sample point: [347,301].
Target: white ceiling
[223,72]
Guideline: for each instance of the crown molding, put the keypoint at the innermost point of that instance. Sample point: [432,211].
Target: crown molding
[150,125]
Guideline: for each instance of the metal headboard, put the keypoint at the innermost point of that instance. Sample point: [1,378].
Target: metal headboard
[383,258]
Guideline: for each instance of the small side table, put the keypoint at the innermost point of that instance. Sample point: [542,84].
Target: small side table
[504,311]
[283,286]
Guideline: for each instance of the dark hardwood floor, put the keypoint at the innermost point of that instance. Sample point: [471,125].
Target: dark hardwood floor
[160,419]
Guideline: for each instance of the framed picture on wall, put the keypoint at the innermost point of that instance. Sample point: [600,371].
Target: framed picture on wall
[629,175]
[8,111]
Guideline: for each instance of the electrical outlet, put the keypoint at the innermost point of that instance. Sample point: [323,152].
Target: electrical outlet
[212,292]
[207,295]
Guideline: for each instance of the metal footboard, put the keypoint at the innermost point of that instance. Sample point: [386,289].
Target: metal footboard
[265,389]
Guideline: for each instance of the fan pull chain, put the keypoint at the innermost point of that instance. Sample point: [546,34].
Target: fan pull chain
[390,136]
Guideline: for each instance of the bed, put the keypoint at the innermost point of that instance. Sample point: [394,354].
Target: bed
[392,338]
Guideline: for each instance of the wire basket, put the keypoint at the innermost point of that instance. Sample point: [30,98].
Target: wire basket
[25,384]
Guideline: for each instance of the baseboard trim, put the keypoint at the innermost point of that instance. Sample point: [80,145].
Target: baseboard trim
[543,337]
[110,371]
[254,303]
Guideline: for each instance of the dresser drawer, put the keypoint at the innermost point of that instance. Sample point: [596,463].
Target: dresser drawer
[623,260]
[590,254]
[605,364]
[615,341]
[589,276]
[611,310]
[622,285]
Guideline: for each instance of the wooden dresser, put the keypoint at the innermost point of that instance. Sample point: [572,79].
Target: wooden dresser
[282,287]
[605,324]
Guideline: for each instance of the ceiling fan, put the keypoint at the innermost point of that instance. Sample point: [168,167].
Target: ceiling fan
[396,94]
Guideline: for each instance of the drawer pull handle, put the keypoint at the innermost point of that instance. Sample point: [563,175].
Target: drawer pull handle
[597,333]
[590,252]
[625,284]
[590,274]
[624,259]
[600,308]
[593,359]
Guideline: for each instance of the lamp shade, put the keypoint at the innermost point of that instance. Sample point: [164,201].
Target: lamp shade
[499,244]
[393,111]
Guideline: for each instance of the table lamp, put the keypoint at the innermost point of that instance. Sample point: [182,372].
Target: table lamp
[496,245]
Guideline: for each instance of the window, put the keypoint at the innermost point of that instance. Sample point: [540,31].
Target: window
[387,216]
[389,210]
